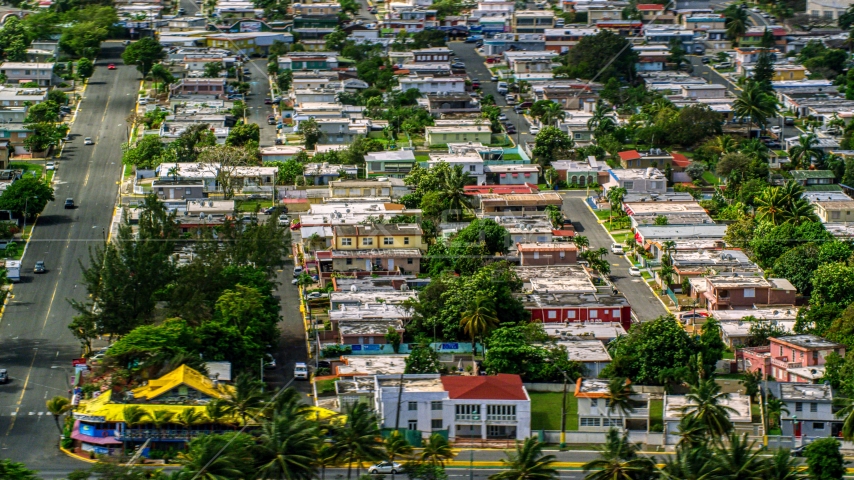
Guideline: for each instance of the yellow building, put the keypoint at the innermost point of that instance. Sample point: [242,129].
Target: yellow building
[375,248]
[378,236]
[789,73]
[834,211]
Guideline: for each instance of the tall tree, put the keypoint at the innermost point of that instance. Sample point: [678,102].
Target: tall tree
[619,459]
[756,104]
[806,151]
[527,463]
[479,319]
[358,440]
[705,403]
[287,448]
[247,398]
[144,53]
[436,451]
[58,406]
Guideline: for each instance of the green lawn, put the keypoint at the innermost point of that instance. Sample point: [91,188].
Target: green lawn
[645,275]
[30,167]
[621,237]
[512,156]
[545,410]
[656,414]
[602,214]
[422,158]
[755,414]
[325,387]
[618,223]
[710,178]
[249,206]
[729,356]
[49,177]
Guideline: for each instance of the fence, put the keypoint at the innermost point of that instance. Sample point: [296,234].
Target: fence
[598,438]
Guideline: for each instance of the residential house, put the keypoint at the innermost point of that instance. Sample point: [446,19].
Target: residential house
[834,210]
[375,247]
[25,72]
[753,37]
[594,408]
[590,353]
[280,153]
[582,173]
[390,163]
[308,61]
[603,12]
[562,40]
[601,305]
[310,9]
[467,407]
[371,188]
[809,410]
[433,85]
[324,173]
[734,291]
[471,163]
[801,358]
[100,427]
[664,35]
[604,332]
[432,55]
[441,104]
[738,411]
[736,334]
[704,22]
[827,10]
[447,134]
[244,179]
[502,43]
[532,21]
[15,97]
[512,174]
[534,202]
[655,13]
[537,254]
[638,180]
[698,263]
[808,178]
[199,86]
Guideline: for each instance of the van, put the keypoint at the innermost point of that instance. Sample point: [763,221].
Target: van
[502,88]
[616,249]
[298,271]
[300,371]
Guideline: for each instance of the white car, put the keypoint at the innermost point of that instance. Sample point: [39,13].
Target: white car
[616,249]
[300,371]
[385,467]
[634,271]
[535,130]
[50,166]
[502,117]
[88,141]
[776,129]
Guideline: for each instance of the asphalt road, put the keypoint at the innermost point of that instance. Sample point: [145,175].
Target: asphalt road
[476,68]
[35,343]
[644,304]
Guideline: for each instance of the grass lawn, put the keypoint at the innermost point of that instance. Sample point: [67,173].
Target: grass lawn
[602,214]
[512,156]
[755,414]
[249,206]
[645,275]
[49,177]
[621,223]
[422,158]
[730,376]
[656,414]
[729,356]
[545,410]
[621,237]
[33,167]
[325,387]
[710,178]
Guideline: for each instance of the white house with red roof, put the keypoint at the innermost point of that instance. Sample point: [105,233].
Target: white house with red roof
[493,407]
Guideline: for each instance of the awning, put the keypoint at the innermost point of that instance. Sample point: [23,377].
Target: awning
[527,174]
[515,174]
[503,175]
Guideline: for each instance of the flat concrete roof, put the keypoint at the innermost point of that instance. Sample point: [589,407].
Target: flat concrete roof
[372,365]
[740,403]
[586,350]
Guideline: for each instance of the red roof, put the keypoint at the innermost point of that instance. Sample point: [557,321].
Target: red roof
[563,233]
[501,189]
[503,386]
[649,6]
[629,155]
[680,160]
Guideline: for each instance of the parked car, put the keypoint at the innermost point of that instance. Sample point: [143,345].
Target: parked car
[300,371]
[50,166]
[616,249]
[284,220]
[502,117]
[458,64]
[385,467]
[634,271]
[88,141]
[776,130]
[689,316]
[4,376]
[298,271]
[39,267]
[510,130]
[269,362]
[535,130]
[271,120]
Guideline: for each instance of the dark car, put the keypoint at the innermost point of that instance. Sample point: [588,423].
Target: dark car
[4,376]
[39,268]
[271,120]
[69,203]
[511,130]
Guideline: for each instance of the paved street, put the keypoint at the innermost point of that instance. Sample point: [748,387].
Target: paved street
[35,343]
[644,304]
[476,68]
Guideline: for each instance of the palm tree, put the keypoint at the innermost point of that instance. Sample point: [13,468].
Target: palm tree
[216,411]
[187,418]
[620,396]
[326,455]
[738,459]
[436,451]
[160,418]
[755,103]
[618,459]
[358,440]
[774,408]
[792,190]
[211,457]
[527,463]
[736,22]
[58,406]
[615,196]
[133,415]
[453,188]
[800,211]
[551,176]
[688,464]
[805,151]
[287,449]
[783,466]
[479,319]
[581,242]
[601,120]
[724,144]
[846,411]
[173,172]
[396,446]
[754,148]
[246,398]
[704,402]
[771,205]
[692,433]
[553,113]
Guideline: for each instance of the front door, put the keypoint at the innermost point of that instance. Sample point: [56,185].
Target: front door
[368,265]
[390,264]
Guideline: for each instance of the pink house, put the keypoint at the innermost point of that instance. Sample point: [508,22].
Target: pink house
[795,358]
[196,86]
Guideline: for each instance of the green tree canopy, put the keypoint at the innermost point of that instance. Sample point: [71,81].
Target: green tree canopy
[144,53]
[28,192]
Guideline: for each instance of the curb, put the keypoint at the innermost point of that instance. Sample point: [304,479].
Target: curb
[601,224]
[77,457]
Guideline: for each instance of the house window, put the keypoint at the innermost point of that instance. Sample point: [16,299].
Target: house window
[409,261]
[367,241]
[813,407]
[501,412]
[472,168]
[388,241]
[615,313]
[552,314]
[594,313]
[536,255]
[799,407]
[629,185]
[562,254]
[589,422]
[436,424]
[570,315]
[346,241]
[835,215]
[188,192]
[467,412]
[436,406]
[349,261]
[413,406]
[413,424]
[613,422]
[818,425]
[406,240]
[749,292]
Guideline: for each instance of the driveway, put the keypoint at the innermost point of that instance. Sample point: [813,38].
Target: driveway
[645,304]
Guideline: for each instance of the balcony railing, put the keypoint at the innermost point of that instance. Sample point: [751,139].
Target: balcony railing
[468,417]
[501,418]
